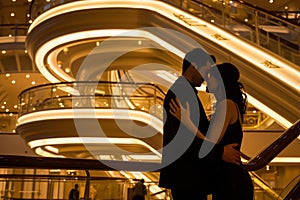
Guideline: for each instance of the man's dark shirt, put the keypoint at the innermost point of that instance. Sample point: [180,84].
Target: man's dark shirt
[183,167]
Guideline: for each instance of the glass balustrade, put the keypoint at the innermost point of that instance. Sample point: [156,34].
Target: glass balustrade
[8,121]
[144,97]
[56,184]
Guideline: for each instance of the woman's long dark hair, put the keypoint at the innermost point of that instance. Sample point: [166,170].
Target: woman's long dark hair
[233,88]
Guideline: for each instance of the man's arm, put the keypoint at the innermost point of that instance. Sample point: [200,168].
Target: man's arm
[227,153]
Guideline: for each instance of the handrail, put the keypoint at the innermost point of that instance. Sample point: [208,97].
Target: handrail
[92,94]
[262,10]
[292,190]
[87,82]
[269,153]
[32,162]
[263,185]
[55,176]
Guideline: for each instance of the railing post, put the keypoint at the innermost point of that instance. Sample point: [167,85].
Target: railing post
[256,27]
[223,14]
[87,185]
[279,46]
[51,95]
[155,99]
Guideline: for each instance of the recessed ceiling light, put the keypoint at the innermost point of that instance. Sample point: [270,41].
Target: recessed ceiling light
[33,83]
[3,51]
[65,50]
[27,76]
[67,70]
[13,82]
[12,14]
[7,75]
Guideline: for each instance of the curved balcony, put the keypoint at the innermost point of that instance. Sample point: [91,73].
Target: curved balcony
[61,50]
[246,21]
[93,120]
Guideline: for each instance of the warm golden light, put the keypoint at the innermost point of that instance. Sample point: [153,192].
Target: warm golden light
[286,73]
[136,115]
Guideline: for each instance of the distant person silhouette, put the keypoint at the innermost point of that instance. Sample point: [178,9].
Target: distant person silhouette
[139,190]
[74,193]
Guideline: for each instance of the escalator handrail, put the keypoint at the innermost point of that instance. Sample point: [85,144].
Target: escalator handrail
[269,153]
[291,190]
[259,9]
[35,162]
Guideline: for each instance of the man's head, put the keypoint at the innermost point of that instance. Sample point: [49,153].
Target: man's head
[76,185]
[195,66]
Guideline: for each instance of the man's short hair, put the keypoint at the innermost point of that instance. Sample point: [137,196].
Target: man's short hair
[198,56]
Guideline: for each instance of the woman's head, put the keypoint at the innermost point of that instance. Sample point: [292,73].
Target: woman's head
[224,83]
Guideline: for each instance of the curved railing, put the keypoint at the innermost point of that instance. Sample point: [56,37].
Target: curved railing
[31,179]
[9,30]
[145,97]
[8,121]
[250,23]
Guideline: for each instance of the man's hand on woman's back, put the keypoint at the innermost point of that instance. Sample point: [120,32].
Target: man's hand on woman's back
[231,155]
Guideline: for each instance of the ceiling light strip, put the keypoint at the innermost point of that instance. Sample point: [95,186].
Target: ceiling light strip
[90,140]
[93,114]
[43,51]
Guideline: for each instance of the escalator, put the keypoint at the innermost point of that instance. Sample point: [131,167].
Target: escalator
[292,191]
[249,22]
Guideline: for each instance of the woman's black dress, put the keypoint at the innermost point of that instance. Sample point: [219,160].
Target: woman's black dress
[236,183]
